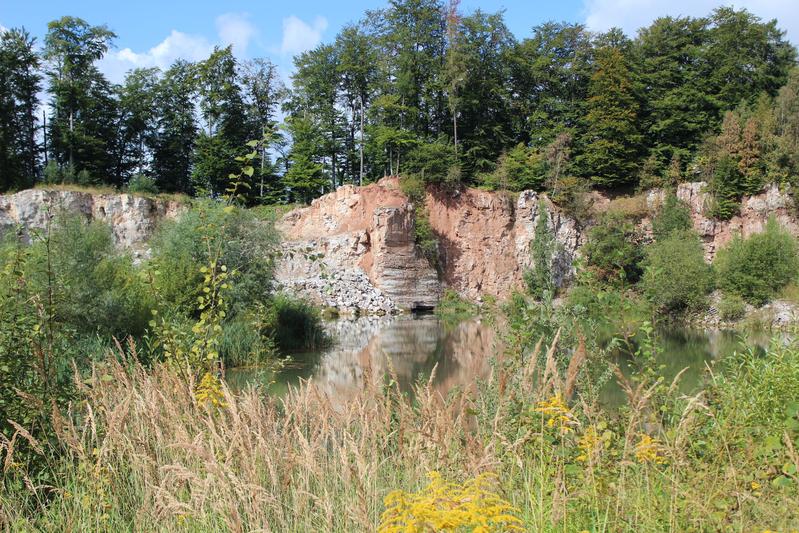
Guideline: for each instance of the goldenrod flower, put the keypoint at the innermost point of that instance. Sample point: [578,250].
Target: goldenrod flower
[209,391]
[557,412]
[649,450]
[590,444]
[444,506]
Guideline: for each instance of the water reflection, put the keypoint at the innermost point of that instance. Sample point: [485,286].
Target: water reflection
[367,349]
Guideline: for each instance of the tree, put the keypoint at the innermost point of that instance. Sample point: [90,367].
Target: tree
[549,76]
[612,143]
[305,177]
[315,96]
[82,126]
[176,128]
[413,35]
[483,99]
[263,91]
[227,129]
[678,108]
[137,122]
[19,84]
[745,57]
[357,72]
[456,69]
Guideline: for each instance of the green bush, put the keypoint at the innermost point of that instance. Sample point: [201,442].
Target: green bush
[726,188]
[540,279]
[518,169]
[142,184]
[432,162]
[732,307]
[95,288]
[180,250]
[424,235]
[757,268]
[612,251]
[674,215]
[572,195]
[676,276]
[295,325]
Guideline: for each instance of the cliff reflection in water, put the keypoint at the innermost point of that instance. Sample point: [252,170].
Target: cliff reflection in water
[368,349]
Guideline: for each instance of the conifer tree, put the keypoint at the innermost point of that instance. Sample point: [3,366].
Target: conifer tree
[612,143]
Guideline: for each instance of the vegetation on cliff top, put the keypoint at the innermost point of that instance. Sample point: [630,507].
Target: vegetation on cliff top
[562,109]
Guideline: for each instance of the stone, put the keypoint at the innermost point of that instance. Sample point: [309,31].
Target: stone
[133,219]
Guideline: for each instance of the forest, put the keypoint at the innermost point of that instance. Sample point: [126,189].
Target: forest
[416,88]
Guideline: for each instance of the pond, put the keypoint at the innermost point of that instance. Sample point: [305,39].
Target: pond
[409,347]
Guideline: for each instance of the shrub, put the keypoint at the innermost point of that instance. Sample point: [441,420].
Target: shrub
[676,276]
[518,169]
[571,194]
[142,184]
[424,235]
[612,251]
[95,287]
[179,251]
[731,307]
[673,215]
[758,267]
[540,280]
[295,324]
[432,162]
[726,188]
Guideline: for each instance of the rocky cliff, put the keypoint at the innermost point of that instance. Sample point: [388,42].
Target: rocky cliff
[132,219]
[353,249]
[753,215]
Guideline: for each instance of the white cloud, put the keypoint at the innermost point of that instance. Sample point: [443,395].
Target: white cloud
[235,29]
[177,45]
[630,15]
[299,36]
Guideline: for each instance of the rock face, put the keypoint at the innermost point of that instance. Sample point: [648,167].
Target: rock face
[354,249]
[133,219]
[485,239]
[754,213]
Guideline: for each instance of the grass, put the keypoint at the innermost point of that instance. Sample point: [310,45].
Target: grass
[140,453]
[104,189]
[628,207]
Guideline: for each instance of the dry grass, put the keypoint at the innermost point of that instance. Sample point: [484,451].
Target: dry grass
[629,207]
[143,455]
[104,189]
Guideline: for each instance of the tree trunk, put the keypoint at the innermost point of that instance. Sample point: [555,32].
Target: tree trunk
[360,175]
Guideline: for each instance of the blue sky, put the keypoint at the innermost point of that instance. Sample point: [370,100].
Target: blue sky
[154,33]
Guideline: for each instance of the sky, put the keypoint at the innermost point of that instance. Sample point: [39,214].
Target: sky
[155,33]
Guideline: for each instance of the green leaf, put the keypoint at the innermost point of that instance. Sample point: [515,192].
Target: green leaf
[249,171]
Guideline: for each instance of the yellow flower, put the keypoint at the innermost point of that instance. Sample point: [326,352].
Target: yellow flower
[754,485]
[209,391]
[445,506]
[557,412]
[590,444]
[649,450]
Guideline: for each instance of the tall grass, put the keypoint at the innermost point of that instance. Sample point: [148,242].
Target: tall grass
[140,453]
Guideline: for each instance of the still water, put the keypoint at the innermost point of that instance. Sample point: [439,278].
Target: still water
[411,347]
